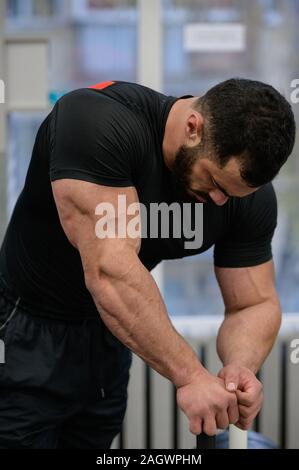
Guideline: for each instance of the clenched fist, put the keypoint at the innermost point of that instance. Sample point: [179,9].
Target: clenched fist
[207,404]
[248,390]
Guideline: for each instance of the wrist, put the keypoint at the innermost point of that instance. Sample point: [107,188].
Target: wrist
[190,376]
[250,365]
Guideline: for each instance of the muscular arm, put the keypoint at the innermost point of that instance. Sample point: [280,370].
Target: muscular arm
[124,292]
[252,315]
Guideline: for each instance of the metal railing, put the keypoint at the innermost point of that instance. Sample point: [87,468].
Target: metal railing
[153,419]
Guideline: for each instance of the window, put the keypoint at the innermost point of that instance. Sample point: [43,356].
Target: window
[270,55]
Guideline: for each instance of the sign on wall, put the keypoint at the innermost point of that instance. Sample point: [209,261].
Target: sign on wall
[214,37]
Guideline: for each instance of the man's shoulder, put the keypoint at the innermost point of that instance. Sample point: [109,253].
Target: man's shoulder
[265,195]
[258,212]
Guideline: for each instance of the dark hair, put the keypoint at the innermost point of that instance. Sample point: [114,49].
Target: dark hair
[252,121]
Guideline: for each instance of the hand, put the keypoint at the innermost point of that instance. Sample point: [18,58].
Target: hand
[248,389]
[207,404]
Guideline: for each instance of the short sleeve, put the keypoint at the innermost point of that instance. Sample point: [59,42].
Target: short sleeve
[248,242]
[93,138]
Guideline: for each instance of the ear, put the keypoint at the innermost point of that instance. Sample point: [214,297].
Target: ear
[194,128]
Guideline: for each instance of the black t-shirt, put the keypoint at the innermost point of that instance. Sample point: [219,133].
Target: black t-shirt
[112,135]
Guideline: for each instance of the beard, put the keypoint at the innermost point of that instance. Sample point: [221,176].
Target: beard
[184,161]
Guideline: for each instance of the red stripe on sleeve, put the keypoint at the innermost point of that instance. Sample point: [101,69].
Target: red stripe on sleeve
[101,86]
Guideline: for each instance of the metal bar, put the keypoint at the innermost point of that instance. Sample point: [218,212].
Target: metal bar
[203,355]
[3,127]
[283,396]
[238,439]
[149,52]
[150,44]
[203,441]
[148,413]
[175,420]
[257,421]
[205,327]
[122,438]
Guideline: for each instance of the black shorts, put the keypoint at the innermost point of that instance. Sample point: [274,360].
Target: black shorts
[62,384]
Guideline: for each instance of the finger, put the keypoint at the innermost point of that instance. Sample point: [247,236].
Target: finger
[195,426]
[233,414]
[222,420]
[230,377]
[245,412]
[249,413]
[244,424]
[249,399]
[254,387]
[209,425]
[245,398]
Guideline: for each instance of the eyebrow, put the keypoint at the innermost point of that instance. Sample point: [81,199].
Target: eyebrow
[221,188]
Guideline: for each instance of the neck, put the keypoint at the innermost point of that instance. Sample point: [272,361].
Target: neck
[174,135]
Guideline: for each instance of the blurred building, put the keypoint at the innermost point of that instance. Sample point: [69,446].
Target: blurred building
[87,41]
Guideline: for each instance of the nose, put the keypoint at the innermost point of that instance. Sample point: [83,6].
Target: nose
[218,197]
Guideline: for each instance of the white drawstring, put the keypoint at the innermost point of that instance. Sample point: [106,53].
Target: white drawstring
[12,314]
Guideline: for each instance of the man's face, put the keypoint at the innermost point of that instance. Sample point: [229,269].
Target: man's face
[198,177]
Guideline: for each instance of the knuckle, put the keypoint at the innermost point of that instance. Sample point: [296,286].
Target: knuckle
[246,423]
[242,425]
[234,420]
[204,411]
[210,429]
[195,427]
[220,406]
[222,424]
[193,430]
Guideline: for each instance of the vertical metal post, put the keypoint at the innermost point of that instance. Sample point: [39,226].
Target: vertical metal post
[237,438]
[3,130]
[149,67]
[175,420]
[150,44]
[148,407]
[257,421]
[283,396]
[149,74]
[203,441]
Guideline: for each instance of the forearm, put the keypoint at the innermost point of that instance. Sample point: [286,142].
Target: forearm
[247,336]
[131,306]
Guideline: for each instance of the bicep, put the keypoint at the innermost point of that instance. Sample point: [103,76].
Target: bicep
[78,205]
[244,287]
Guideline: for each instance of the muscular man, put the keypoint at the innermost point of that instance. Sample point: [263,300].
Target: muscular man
[74,305]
